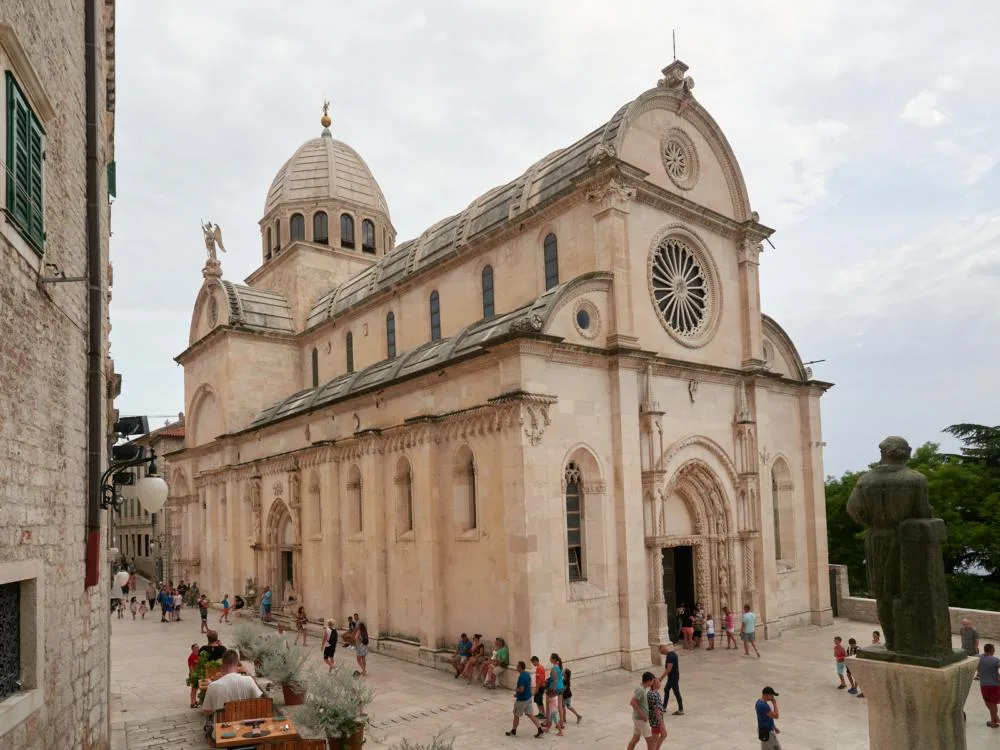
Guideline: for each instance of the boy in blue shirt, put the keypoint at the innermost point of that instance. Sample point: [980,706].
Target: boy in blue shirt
[522,701]
[767,711]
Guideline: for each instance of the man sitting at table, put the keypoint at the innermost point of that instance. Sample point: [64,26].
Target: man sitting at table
[232,686]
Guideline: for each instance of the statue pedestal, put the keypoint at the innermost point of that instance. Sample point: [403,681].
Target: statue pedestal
[917,708]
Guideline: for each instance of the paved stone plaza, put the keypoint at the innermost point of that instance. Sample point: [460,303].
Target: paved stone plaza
[150,701]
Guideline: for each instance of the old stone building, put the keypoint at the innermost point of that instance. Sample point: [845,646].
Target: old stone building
[552,416]
[142,537]
[54,597]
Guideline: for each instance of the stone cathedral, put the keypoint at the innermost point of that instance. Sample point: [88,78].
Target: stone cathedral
[553,416]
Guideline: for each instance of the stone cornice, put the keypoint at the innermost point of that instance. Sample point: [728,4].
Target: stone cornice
[220,333]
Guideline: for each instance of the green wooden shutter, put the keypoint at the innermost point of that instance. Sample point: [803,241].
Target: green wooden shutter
[112,179]
[36,157]
[25,157]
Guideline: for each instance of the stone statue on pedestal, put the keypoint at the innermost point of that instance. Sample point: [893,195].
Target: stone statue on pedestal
[904,560]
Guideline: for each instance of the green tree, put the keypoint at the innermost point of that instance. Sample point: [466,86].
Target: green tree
[963,492]
[980,444]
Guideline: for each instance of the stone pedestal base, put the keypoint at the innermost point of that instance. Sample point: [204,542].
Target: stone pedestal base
[916,708]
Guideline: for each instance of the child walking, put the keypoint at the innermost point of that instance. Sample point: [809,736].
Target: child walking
[133,605]
[729,625]
[552,712]
[225,609]
[840,656]
[192,663]
[142,609]
[852,650]
[710,630]
[539,686]
[567,696]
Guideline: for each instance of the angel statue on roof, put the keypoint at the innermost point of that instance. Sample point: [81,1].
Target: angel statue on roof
[213,238]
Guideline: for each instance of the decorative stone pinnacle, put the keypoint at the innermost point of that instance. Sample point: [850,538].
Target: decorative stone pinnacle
[674,78]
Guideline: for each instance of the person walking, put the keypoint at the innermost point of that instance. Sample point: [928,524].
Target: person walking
[539,686]
[640,713]
[656,724]
[567,696]
[265,604]
[203,612]
[687,626]
[301,620]
[151,595]
[522,701]
[748,631]
[361,648]
[766,709]
[840,658]
[852,650]
[225,608]
[729,625]
[330,643]
[671,678]
[988,672]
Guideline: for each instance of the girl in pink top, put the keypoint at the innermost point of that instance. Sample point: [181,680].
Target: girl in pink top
[729,624]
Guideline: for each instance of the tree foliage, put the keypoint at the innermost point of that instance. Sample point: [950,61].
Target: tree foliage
[965,492]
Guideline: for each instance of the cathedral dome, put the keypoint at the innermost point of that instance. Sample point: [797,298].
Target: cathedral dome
[324,169]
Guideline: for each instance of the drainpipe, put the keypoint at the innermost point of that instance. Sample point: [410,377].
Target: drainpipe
[95,306]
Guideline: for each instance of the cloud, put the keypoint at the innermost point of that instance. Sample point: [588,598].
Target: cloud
[860,128]
[922,110]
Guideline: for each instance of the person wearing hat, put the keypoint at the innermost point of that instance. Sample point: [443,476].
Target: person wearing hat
[767,711]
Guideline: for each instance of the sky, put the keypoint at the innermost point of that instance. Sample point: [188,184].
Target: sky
[867,133]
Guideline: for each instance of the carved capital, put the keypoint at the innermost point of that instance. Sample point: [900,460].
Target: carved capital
[611,195]
[748,251]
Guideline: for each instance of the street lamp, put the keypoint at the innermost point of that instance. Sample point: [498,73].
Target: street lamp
[151,489]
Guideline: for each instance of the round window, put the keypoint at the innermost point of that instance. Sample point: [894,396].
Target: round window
[583,319]
[680,289]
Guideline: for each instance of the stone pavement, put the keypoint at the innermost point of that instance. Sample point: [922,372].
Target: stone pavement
[149,699]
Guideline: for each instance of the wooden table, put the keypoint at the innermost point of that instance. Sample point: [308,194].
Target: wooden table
[275,727]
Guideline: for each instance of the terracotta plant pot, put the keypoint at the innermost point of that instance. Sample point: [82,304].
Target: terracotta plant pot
[292,696]
[354,742]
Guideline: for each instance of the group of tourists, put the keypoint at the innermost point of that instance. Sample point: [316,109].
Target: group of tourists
[695,626]
[473,661]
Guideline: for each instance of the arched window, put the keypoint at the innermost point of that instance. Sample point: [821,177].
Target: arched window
[277,236]
[551,252]
[349,346]
[297,227]
[368,236]
[347,231]
[355,504]
[435,316]
[466,508]
[321,228]
[404,497]
[315,367]
[574,521]
[783,502]
[390,336]
[488,309]
[267,242]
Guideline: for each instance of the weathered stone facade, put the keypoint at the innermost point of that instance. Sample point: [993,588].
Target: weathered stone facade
[64,644]
[552,417]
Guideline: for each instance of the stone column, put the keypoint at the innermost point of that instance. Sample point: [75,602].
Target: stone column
[377,532]
[751,324]
[814,502]
[428,524]
[659,624]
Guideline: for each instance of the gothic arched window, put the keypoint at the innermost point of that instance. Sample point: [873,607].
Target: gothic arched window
[435,304]
[321,228]
[390,336]
[277,236]
[574,522]
[297,227]
[349,346]
[550,250]
[488,308]
[368,236]
[267,242]
[347,231]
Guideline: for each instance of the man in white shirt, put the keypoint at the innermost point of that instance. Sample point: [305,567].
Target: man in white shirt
[232,686]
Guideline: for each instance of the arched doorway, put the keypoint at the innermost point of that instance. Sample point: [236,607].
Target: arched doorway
[694,542]
[281,550]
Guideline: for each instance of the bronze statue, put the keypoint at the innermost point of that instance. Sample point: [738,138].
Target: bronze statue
[904,559]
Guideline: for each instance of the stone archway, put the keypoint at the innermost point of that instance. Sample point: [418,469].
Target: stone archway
[281,556]
[691,518]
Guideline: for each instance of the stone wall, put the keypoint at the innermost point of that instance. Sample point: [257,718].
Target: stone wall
[43,398]
[863,610]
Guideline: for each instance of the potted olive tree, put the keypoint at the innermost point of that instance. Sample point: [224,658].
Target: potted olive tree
[335,706]
[284,666]
[245,638]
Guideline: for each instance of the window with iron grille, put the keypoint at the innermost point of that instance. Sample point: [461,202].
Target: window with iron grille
[435,316]
[25,162]
[390,336]
[10,639]
[574,522]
